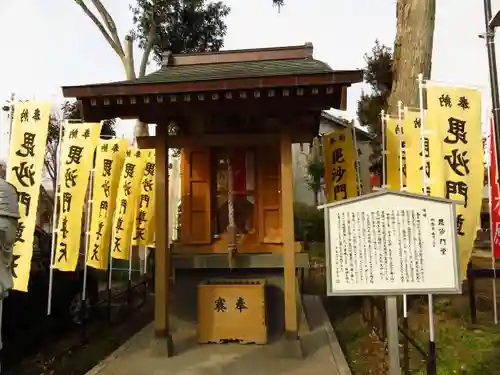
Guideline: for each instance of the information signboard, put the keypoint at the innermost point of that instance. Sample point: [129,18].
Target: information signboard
[391,243]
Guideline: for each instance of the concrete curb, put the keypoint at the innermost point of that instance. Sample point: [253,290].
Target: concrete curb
[315,308]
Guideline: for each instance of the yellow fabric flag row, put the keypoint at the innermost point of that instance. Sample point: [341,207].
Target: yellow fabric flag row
[432,155]
[145,216]
[24,170]
[456,113]
[340,165]
[395,150]
[110,156]
[127,198]
[451,135]
[77,150]
[123,202]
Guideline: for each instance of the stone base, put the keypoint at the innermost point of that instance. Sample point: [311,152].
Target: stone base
[162,346]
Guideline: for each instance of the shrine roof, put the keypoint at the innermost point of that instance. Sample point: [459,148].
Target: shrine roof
[230,70]
[236,69]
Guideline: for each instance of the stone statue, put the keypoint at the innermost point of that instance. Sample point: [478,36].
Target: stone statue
[9,216]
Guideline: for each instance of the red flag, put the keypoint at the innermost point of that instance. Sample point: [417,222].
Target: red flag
[494,195]
[238,162]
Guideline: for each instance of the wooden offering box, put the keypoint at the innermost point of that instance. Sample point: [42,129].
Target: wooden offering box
[232,310]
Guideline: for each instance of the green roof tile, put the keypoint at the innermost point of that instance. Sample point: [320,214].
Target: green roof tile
[243,69]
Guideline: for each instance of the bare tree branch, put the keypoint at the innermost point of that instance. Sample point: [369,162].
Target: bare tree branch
[109,22]
[50,170]
[149,43]
[50,162]
[51,173]
[116,47]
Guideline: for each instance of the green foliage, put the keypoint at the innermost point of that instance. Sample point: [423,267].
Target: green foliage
[279,4]
[309,223]
[315,171]
[378,75]
[72,111]
[180,25]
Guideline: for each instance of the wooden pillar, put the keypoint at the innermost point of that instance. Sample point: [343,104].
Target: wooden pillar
[163,342]
[291,322]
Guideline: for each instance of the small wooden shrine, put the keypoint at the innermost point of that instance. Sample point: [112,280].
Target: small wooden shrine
[234,115]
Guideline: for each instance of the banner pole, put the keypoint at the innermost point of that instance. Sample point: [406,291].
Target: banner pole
[87,234]
[492,230]
[431,359]
[110,261]
[129,285]
[54,218]
[110,270]
[384,167]
[495,99]
[110,277]
[402,150]
[493,73]
[358,164]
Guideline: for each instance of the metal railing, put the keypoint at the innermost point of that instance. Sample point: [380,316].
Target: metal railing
[93,323]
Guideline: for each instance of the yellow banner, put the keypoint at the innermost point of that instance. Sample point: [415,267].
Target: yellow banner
[393,144]
[110,156]
[433,155]
[127,199]
[78,145]
[456,111]
[24,171]
[143,234]
[340,165]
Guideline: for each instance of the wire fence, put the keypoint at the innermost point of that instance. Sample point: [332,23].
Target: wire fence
[372,309]
[373,312]
[111,309]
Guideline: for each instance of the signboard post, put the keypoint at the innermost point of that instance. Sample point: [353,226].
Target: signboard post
[391,243]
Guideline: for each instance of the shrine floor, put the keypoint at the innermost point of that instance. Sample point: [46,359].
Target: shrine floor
[322,353]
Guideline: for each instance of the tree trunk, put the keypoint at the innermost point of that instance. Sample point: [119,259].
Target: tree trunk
[140,129]
[125,52]
[412,50]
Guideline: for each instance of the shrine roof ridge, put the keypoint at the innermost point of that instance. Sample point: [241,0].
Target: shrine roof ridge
[304,51]
[235,70]
[384,191]
[221,70]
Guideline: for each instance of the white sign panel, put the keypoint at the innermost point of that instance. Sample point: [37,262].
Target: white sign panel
[389,243]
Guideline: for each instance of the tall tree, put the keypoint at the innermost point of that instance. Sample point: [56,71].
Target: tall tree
[378,75]
[412,49]
[179,25]
[278,3]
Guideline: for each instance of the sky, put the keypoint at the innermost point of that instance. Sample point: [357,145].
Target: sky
[51,43]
